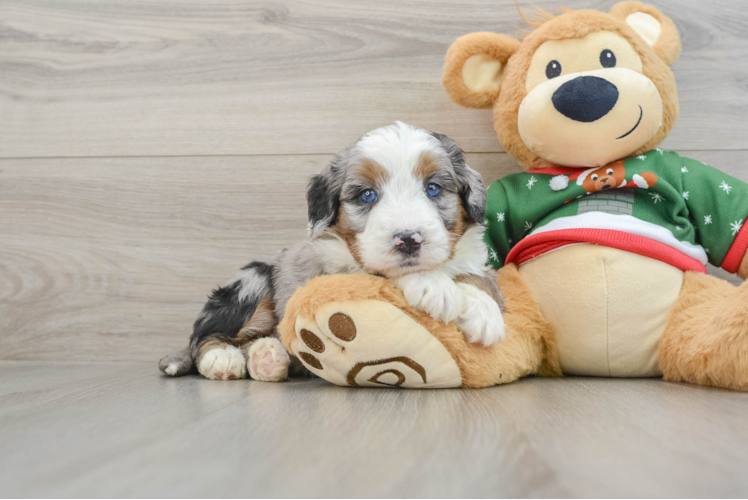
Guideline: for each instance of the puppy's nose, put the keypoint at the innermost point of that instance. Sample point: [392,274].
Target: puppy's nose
[408,242]
[586,98]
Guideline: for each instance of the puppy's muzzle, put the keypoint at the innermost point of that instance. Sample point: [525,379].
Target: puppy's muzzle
[407,242]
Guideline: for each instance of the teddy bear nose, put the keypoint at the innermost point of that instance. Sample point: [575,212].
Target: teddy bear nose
[585,98]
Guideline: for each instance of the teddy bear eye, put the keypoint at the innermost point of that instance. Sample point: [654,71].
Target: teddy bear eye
[553,69]
[608,59]
[594,177]
[610,171]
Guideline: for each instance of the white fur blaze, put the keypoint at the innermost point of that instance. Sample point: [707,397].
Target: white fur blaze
[268,360]
[560,182]
[223,363]
[480,318]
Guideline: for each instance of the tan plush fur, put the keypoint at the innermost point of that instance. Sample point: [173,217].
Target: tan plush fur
[571,24]
[529,347]
[498,47]
[668,46]
[706,340]
[743,269]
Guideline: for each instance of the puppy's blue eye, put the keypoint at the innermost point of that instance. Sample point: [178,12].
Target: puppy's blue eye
[369,196]
[433,190]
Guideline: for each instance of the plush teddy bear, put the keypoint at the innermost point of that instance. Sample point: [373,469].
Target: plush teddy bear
[601,245]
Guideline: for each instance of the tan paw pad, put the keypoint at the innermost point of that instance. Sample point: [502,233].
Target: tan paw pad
[372,343]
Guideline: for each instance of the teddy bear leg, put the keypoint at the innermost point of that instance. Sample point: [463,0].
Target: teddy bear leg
[355,330]
[359,330]
[706,340]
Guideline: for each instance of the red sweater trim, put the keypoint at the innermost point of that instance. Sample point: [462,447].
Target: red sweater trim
[538,244]
[558,170]
[735,254]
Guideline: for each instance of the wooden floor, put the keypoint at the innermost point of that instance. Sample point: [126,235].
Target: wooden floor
[122,430]
[150,149]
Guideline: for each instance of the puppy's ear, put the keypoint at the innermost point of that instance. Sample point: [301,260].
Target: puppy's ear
[323,197]
[653,26]
[470,183]
[475,67]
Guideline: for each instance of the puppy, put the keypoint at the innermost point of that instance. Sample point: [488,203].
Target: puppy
[399,203]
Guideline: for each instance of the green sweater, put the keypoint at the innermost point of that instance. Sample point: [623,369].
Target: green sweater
[658,204]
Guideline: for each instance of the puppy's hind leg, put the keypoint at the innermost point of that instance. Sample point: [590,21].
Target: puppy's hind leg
[267,359]
[233,317]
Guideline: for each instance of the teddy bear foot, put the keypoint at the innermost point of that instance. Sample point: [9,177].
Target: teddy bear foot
[372,343]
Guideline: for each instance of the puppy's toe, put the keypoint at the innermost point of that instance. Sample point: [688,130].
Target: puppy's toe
[480,319]
[268,360]
[223,363]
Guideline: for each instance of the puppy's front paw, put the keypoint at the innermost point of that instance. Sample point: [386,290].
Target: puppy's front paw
[268,360]
[480,319]
[435,294]
[223,363]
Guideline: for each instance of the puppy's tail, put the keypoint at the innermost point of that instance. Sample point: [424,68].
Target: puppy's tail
[178,364]
[227,313]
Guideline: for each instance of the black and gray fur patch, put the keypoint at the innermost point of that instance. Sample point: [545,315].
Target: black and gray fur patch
[230,307]
[471,189]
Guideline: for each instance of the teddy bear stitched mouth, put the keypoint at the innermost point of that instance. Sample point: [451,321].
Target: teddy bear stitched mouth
[641,115]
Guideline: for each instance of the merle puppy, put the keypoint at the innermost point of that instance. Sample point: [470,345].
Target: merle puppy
[399,203]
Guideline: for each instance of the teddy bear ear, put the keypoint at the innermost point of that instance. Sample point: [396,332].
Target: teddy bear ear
[475,67]
[653,26]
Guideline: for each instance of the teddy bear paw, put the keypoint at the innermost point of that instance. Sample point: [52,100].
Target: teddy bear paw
[372,343]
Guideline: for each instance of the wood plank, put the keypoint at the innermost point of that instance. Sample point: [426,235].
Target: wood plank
[185,77]
[122,430]
[111,259]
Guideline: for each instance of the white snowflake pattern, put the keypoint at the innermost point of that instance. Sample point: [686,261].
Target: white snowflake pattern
[707,219]
[656,197]
[531,182]
[736,226]
[678,228]
[707,250]
[685,195]
[493,256]
[725,187]
[641,157]
[683,170]
[659,151]
[528,226]
[500,217]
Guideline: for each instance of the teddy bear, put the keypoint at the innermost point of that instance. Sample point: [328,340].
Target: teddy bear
[600,245]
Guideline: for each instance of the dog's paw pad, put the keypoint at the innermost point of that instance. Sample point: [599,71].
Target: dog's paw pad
[372,343]
[268,360]
[223,363]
